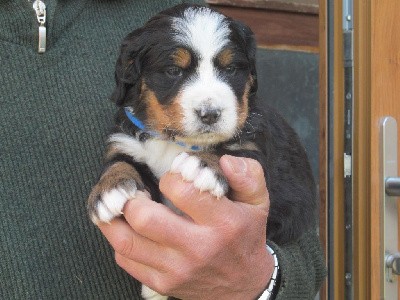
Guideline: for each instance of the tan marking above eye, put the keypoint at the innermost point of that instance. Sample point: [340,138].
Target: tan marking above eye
[182,58]
[225,57]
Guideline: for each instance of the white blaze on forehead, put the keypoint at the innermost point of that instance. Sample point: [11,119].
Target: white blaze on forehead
[202,30]
[206,33]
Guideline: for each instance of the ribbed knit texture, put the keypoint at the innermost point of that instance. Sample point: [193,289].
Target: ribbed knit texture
[54,119]
[302,267]
[54,116]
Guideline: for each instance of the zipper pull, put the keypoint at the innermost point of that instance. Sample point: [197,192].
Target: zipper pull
[40,8]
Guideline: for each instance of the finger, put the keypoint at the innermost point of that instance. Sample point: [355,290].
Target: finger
[158,223]
[143,273]
[126,242]
[201,207]
[246,179]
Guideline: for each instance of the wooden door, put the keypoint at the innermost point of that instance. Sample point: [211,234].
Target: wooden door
[376,95]
[385,101]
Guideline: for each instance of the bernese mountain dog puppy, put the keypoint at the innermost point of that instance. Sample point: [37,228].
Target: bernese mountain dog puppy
[186,90]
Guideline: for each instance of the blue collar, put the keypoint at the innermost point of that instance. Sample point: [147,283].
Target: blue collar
[134,120]
[139,124]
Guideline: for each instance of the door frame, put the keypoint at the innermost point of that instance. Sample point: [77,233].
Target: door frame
[332,91]
[376,86]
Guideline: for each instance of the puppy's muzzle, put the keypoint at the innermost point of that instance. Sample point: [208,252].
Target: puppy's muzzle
[208,115]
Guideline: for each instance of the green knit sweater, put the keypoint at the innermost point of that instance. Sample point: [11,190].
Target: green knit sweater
[54,118]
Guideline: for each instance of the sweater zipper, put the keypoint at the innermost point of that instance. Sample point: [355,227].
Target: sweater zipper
[40,8]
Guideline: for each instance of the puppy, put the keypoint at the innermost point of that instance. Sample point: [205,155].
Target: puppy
[186,87]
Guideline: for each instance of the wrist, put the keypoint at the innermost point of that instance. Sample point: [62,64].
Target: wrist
[270,291]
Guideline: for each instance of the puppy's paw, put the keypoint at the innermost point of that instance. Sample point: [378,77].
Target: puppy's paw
[204,173]
[105,204]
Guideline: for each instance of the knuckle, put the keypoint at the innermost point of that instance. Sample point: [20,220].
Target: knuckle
[202,253]
[164,287]
[123,246]
[120,260]
[231,230]
[156,283]
[207,253]
[231,227]
[181,276]
[175,281]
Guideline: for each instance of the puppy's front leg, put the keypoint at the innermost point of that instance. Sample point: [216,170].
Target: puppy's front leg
[203,169]
[118,184]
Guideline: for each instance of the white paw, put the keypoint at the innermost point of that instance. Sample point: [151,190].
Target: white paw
[149,294]
[204,178]
[111,203]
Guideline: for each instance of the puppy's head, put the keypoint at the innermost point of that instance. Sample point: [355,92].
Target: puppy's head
[188,73]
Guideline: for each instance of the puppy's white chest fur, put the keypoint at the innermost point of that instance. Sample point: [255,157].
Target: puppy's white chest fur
[163,156]
[158,155]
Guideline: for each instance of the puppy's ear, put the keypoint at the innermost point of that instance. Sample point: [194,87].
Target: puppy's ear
[246,38]
[128,68]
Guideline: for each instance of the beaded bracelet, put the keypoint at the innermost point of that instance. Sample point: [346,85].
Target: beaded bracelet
[268,292]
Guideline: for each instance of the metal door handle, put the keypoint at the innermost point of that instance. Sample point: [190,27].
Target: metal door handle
[392,261]
[392,186]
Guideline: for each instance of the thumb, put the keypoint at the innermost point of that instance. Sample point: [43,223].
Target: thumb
[246,179]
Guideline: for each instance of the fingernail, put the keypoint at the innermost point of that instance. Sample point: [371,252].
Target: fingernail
[237,164]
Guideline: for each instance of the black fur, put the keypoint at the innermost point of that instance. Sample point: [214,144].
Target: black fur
[287,172]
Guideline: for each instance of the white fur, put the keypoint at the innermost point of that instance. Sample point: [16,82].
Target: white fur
[178,161]
[203,178]
[163,156]
[157,154]
[206,32]
[188,166]
[203,30]
[113,202]
[116,199]
[208,91]
[207,181]
[103,214]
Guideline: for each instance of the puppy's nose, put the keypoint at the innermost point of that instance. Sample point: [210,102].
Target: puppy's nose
[208,115]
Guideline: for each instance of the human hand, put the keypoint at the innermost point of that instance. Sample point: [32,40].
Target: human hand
[217,251]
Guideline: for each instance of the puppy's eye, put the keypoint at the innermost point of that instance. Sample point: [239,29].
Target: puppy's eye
[174,72]
[230,70]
